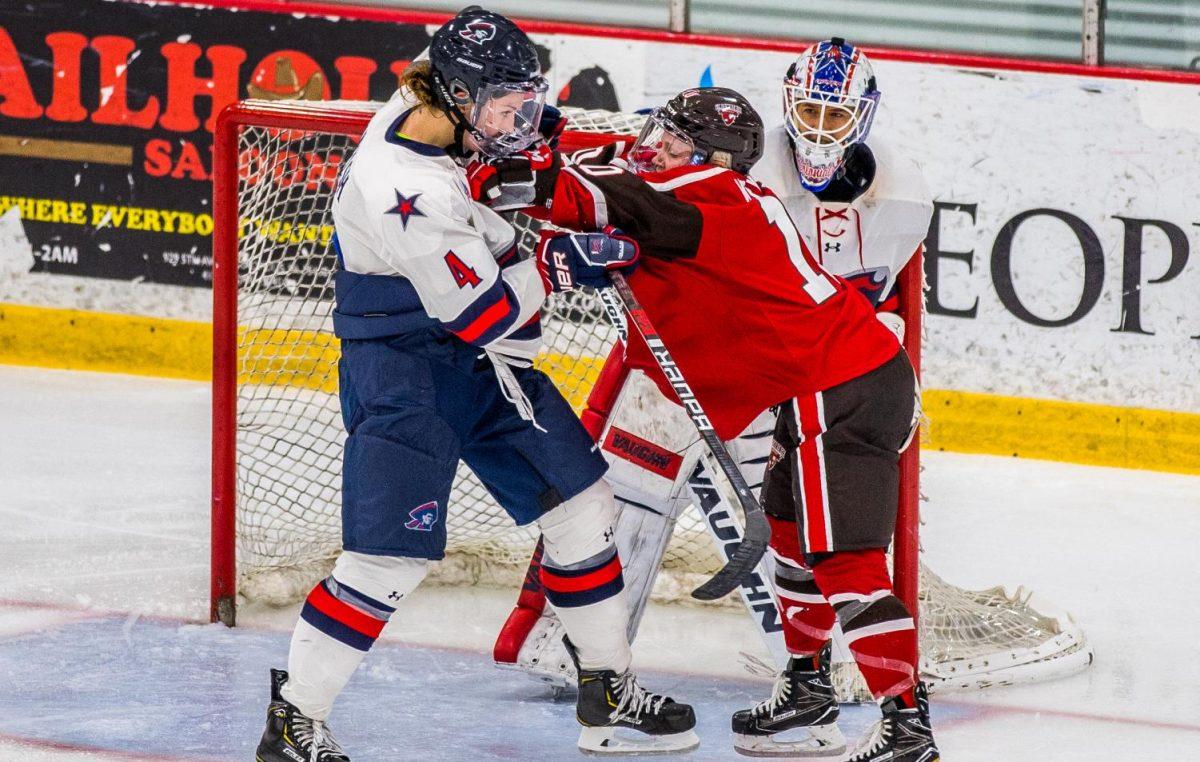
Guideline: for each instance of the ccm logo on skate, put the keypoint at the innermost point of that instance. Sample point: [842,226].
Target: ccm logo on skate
[642,453]
[726,530]
[423,517]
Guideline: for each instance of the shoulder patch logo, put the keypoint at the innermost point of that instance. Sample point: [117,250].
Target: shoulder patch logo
[406,207]
[729,112]
[423,517]
[478,32]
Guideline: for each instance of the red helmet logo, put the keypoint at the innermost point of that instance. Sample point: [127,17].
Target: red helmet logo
[478,32]
[729,112]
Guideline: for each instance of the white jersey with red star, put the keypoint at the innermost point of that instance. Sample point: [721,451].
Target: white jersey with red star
[402,209]
[867,241]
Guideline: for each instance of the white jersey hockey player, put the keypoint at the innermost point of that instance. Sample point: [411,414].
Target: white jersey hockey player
[863,209]
[427,286]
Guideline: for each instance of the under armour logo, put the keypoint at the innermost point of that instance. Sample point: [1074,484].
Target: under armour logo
[394,596]
[608,534]
[833,246]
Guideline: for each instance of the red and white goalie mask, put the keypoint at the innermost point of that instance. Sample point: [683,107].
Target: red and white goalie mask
[829,100]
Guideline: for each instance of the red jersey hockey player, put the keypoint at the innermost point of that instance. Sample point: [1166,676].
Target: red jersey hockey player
[863,209]
[753,322]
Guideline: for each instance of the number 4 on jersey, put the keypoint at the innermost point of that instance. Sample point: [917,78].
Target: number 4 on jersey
[463,275]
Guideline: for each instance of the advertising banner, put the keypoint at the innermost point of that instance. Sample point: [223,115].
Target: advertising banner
[107,111]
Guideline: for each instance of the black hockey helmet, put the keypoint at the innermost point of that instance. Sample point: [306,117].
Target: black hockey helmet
[481,59]
[718,124]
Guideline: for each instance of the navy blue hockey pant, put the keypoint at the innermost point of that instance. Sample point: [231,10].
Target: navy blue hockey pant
[414,405]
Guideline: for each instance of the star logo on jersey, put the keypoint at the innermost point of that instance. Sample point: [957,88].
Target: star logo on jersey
[478,32]
[729,112]
[406,207]
[423,517]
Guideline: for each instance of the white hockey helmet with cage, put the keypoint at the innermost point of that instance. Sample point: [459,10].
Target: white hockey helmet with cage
[829,101]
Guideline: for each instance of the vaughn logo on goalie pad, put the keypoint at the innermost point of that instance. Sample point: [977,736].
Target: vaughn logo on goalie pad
[755,591]
[423,517]
[640,452]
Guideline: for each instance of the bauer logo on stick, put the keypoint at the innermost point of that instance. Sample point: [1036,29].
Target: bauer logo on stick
[423,517]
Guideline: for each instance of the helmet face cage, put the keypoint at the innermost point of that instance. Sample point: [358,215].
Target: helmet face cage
[487,80]
[504,117]
[829,102]
[661,146]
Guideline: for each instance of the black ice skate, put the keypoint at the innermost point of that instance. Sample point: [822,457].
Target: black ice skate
[803,697]
[292,737]
[609,701]
[903,735]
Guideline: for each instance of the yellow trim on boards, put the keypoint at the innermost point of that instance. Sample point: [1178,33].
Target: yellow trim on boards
[1074,432]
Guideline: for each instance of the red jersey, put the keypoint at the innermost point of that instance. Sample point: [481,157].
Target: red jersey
[749,315]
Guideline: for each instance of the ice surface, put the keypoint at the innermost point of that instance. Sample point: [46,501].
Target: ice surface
[104,653]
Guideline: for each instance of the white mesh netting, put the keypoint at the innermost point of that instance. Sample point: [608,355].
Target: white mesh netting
[289,431]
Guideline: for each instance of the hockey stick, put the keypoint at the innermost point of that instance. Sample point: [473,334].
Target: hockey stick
[757,534]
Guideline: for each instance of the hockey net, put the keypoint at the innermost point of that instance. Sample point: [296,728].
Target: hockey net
[277,431]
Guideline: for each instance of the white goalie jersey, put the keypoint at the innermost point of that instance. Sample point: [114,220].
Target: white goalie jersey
[869,240]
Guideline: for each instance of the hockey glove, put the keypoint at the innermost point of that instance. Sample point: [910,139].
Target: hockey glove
[569,260]
[522,180]
[551,125]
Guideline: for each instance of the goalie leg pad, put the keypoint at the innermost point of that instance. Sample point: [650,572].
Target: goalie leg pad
[341,619]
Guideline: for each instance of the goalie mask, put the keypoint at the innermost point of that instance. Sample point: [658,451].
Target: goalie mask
[487,80]
[829,100]
[708,125]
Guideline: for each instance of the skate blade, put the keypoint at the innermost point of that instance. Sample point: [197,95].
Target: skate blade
[822,741]
[604,741]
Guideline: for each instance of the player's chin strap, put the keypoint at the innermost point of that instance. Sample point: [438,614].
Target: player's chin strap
[510,387]
[447,105]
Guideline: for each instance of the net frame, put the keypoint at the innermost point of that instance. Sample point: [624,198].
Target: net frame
[964,633]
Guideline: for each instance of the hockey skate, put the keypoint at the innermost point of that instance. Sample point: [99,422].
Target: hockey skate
[902,735]
[609,702]
[803,698]
[292,737]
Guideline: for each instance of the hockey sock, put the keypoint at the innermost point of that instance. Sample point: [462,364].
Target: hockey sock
[340,621]
[878,627]
[590,600]
[581,572]
[807,617]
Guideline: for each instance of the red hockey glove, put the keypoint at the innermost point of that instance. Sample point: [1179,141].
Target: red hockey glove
[569,260]
[524,179]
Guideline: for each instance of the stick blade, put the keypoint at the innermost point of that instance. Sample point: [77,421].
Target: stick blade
[739,566]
